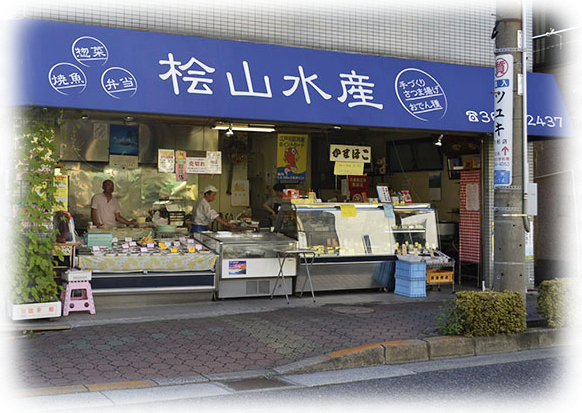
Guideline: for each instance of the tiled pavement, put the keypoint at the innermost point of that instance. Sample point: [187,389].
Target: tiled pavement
[180,348]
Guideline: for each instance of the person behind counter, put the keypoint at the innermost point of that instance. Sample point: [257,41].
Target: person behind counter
[274,202]
[203,214]
[105,208]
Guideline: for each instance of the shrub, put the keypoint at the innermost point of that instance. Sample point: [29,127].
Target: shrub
[485,313]
[555,300]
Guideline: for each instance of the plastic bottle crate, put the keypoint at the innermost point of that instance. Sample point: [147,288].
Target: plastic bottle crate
[411,270]
[410,288]
[439,276]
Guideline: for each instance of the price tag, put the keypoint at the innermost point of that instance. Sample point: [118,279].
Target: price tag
[198,246]
[114,240]
[143,249]
[151,245]
[163,246]
[191,249]
[128,239]
[176,243]
[125,246]
[173,249]
[96,248]
[133,244]
[190,241]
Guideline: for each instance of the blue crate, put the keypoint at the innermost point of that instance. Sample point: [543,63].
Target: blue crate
[411,270]
[410,288]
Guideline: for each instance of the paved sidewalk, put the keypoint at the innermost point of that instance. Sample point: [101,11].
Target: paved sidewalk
[168,343]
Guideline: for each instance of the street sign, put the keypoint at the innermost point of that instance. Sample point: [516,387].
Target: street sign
[503,120]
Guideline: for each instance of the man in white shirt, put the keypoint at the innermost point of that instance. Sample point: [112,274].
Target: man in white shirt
[202,212]
[105,209]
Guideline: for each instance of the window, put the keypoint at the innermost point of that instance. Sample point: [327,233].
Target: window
[414,155]
[558,48]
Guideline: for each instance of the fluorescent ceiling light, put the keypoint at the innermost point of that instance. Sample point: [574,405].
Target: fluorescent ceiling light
[245,128]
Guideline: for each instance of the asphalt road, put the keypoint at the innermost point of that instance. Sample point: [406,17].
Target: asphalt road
[523,381]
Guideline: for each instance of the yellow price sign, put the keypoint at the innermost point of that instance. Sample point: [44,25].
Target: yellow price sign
[191,249]
[348,210]
[173,249]
[348,168]
[162,246]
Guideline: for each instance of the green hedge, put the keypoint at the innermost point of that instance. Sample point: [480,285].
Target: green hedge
[555,301]
[486,313]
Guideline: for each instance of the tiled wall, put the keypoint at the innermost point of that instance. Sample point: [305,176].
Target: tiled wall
[454,31]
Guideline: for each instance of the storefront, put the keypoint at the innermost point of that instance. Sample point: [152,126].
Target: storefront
[171,92]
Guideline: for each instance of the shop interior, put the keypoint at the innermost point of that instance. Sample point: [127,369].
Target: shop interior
[427,164]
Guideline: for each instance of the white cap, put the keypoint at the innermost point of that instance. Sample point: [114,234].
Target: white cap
[210,188]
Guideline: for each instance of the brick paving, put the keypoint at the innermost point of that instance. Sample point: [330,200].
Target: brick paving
[182,348]
[173,349]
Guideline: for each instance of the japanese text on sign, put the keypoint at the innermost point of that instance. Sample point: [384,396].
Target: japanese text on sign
[503,120]
[347,153]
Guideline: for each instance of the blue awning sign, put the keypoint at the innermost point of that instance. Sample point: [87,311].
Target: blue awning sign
[104,68]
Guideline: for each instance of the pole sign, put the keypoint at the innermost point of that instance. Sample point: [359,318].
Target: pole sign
[503,120]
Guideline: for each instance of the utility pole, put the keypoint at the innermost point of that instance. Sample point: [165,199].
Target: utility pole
[510,173]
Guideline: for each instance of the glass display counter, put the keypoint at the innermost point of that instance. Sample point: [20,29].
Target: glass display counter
[248,263]
[351,240]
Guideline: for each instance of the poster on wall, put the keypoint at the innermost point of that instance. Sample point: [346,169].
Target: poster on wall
[291,157]
[62,191]
[358,188]
[123,140]
[240,193]
[181,174]
[166,160]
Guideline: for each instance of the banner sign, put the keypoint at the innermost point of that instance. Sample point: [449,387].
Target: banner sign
[79,66]
[503,121]
[291,157]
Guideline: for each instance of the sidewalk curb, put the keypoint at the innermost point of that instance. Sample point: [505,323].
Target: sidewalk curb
[365,355]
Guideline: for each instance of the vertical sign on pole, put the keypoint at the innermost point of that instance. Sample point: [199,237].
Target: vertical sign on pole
[503,129]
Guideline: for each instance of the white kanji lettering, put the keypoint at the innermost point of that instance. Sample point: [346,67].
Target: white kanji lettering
[305,81]
[82,52]
[76,78]
[198,80]
[358,89]
[111,84]
[174,72]
[98,51]
[59,80]
[251,90]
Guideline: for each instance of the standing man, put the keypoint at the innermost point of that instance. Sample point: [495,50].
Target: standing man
[105,209]
[203,214]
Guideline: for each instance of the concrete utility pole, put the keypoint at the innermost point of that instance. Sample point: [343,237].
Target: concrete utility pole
[509,174]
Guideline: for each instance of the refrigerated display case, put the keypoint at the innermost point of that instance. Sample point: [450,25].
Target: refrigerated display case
[248,262]
[351,240]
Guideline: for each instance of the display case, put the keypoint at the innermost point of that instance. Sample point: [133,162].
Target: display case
[248,262]
[352,240]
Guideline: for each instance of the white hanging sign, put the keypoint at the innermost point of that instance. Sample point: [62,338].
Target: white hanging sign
[503,121]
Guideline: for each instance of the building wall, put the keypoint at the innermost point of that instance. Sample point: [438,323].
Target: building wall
[555,229]
[454,31]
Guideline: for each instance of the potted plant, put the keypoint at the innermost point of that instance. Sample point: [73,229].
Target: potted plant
[34,292]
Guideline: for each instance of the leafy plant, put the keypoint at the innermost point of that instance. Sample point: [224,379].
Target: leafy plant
[451,320]
[35,203]
[555,301]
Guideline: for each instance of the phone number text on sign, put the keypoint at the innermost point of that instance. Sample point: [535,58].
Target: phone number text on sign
[540,120]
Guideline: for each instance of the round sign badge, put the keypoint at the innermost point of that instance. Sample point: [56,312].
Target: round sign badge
[119,83]
[67,79]
[420,94]
[90,51]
